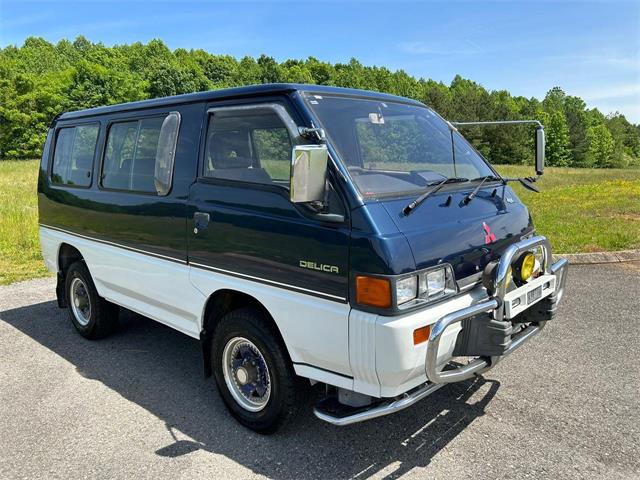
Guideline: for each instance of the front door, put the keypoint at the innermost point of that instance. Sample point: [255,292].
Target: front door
[243,227]
[243,221]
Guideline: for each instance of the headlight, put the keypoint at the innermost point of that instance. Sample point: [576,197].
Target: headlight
[406,289]
[437,283]
[402,292]
[433,283]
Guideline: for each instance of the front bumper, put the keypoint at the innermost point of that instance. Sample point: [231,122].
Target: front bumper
[439,350]
[500,306]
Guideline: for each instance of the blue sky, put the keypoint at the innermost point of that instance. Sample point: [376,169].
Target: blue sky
[590,49]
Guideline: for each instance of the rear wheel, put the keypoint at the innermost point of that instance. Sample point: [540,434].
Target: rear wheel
[254,375]
[91,315]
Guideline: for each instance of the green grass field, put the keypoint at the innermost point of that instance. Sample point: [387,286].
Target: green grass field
[20,257]
[584,210]
[580,210]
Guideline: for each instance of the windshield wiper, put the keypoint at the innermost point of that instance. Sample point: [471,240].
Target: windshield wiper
[484,179]
[436,186]
[526,182]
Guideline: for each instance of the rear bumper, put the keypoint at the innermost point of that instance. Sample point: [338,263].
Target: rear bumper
[386,364]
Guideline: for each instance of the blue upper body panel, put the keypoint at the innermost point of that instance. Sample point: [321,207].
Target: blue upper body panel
[375,238]
[232,93]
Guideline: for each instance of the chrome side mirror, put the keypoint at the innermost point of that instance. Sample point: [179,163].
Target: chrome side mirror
[540,145]
[308,173]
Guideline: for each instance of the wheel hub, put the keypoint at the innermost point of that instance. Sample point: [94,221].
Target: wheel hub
[246,374]
[80,302]
[242,376]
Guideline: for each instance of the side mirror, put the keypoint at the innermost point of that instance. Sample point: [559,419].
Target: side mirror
[308,173]
[540,150]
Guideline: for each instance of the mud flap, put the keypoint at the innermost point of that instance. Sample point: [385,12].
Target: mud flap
[60,294]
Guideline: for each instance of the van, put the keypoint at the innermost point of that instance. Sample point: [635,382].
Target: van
[303,234]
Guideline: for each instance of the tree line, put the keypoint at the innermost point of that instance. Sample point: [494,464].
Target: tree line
[39,80]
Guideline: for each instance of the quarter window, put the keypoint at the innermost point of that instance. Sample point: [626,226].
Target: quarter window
[140,154]
[73,155]
[250,145]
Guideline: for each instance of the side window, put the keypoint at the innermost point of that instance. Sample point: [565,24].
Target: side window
[273,149]
[140,154]
[73,155]
[250,145]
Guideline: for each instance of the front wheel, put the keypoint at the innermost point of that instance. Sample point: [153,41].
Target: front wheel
[254,375]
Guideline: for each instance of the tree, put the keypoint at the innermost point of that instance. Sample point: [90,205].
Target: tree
[574,110]
[248,72]
[601,146]
[270,70]
[219,69]
[93,85]
[40,79]
[557,140]
[173,79]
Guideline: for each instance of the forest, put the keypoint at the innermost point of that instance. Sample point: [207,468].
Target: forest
[39,80]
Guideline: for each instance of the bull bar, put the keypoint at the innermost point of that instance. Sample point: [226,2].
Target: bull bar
[492,304]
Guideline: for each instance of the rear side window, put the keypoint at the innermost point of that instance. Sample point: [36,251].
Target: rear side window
[140,154]
[73,155]
[251,145]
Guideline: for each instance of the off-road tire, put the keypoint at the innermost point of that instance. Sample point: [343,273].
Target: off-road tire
[288,391]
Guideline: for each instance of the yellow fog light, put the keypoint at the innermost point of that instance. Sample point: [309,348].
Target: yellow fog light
[525,266]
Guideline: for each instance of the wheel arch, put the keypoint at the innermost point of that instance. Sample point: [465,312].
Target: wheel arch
[220,303]
[67,255]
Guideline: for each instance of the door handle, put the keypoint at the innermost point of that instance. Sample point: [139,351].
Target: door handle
[200,221]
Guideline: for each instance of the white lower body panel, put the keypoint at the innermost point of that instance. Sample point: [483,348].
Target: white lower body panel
[384,360]
[154,287]
[315,330]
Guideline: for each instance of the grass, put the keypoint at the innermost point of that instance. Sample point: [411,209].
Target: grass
[580,210]
[20,257]
[584,210]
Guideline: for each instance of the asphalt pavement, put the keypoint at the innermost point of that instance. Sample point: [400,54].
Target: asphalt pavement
[136,405]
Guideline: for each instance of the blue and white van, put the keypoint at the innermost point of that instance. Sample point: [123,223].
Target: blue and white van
[303,234]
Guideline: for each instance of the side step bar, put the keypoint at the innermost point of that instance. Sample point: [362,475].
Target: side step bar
[401,403]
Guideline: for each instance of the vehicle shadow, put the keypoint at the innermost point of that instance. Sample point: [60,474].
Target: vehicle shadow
[160,370]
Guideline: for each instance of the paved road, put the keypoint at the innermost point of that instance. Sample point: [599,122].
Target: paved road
[136,406]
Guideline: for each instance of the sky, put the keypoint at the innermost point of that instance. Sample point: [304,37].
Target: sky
[590,49]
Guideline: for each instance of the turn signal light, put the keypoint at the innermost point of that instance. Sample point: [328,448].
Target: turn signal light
[372,291]
[421,335]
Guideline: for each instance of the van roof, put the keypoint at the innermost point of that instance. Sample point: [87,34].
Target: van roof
[228,93]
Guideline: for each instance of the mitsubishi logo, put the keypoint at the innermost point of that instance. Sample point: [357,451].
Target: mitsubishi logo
[489,236]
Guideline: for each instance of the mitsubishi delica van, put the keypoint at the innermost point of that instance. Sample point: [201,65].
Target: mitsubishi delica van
[303,234]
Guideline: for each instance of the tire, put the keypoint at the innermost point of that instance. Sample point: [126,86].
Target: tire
[91,315]
[245,338]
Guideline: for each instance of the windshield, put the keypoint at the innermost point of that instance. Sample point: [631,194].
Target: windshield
[394,148]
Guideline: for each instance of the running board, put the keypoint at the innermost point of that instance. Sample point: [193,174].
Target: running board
[380,410]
